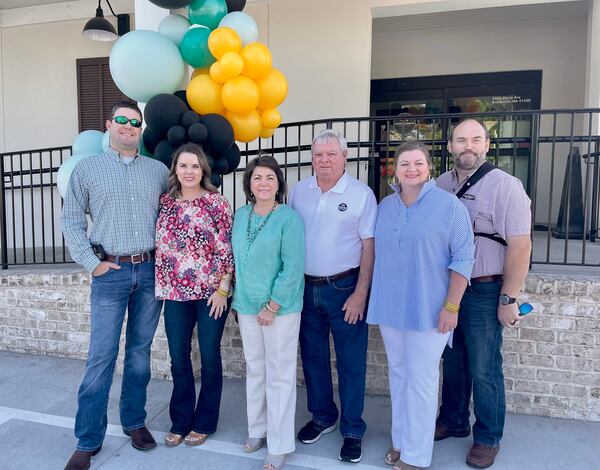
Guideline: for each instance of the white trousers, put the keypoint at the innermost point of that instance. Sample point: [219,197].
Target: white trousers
[271,360]
[413,369]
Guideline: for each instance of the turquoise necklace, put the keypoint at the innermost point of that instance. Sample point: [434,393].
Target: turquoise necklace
[252,234]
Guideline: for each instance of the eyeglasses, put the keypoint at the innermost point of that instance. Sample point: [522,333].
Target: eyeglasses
[525,308]
[123,120]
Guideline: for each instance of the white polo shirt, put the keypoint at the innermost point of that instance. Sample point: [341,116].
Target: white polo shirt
[335,223]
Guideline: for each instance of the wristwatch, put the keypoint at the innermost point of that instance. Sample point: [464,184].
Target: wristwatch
[506,300]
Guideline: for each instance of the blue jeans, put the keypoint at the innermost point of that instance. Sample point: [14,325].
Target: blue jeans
[475,363]
[321,314]
[130,288]
[187,414]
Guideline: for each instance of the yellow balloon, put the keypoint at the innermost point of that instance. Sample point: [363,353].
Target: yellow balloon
[246,126]
[240,94]
[204,95]
[257,60]
[270,118]
[273,90]
[216,73]
[232,64]
[201,71]
[267,133]
[223,40]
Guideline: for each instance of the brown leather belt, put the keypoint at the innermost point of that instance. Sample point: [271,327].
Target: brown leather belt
[493,278]
[332,278]
[134,259]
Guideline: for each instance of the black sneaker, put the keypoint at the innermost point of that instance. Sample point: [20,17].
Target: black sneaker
[351,450]
[312,432]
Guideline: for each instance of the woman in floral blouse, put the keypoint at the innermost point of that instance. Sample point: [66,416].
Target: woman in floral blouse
[194,266]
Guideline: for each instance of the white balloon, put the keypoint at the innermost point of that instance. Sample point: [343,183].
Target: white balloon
[66,169]
[243,24]
[174,27]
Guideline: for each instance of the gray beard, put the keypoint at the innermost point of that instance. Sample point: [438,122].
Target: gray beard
[477,163]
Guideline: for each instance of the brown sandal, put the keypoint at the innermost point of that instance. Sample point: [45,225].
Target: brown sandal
[172,439]
[392,456]
[195,439]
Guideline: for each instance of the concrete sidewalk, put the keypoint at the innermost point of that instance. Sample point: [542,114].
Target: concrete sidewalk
[38,404]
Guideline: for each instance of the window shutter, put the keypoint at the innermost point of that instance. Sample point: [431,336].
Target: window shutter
[96,92]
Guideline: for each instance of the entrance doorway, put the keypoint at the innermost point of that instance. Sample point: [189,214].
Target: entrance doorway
[426,97]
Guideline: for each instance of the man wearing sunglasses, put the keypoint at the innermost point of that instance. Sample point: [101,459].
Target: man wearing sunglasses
[119,190]
[501,216]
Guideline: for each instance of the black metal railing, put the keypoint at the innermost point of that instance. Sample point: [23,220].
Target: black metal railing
[555,153]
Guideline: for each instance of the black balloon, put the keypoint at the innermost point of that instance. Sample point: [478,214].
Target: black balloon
[216,180]
[197,133]
[164,152]
[171,4]
[221,166]
[150,139]
[189,117]
[163,111]
[233,157]
[181,94]
[220,133]
[177,135]
[235,5]
[210,160]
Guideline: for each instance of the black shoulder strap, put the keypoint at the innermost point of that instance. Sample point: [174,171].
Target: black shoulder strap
[474,178]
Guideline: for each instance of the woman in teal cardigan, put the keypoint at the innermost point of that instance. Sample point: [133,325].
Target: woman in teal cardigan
[268,249]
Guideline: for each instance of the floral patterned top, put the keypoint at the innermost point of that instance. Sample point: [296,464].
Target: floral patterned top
[193,246]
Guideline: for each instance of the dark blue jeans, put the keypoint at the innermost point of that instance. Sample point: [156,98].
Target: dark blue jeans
[130,288]
[475,363]
[321,314]
[187,414]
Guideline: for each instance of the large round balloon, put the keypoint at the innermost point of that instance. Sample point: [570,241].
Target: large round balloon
[66,169]
[207,12]
[204,95]
[174,27]
[220,166]
[164,151]
[233,157]
[240,94]
[88,142]
[257,60]
[150,139]
[273,89]
[194,47]
[164,111]
[171,4]
[144,64]
[223,40]
[220,133]
[242,24]
[270,118]
[216,73]
[235,5]
[246,127]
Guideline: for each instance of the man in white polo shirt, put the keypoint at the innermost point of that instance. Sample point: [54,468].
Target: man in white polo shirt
[339,215]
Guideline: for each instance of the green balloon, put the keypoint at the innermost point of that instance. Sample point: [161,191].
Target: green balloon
[207,12]
[194,47]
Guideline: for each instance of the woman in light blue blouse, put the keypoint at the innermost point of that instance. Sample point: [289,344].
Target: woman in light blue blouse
[268,249]
[424,255]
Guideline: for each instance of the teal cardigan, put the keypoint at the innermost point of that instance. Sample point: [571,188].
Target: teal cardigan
[272,266]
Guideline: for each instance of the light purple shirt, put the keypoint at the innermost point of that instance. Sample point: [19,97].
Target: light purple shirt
[497,204]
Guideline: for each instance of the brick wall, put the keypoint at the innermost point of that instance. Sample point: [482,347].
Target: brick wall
[552,362]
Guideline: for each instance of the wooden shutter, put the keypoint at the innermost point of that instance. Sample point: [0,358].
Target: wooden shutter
[96,93]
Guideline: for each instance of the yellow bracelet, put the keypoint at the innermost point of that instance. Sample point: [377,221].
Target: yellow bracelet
[451,307]
[222,293]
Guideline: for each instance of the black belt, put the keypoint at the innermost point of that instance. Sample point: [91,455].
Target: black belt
[134,259]
[332,278]
[492,278]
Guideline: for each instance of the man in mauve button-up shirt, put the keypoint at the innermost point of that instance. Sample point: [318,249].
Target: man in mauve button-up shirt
[120,190]
[498,206]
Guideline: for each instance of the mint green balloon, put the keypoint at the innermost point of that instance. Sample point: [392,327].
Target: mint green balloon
[207,12]
[194,47]
[174,27]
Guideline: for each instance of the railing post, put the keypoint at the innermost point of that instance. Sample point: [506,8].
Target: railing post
[3,239]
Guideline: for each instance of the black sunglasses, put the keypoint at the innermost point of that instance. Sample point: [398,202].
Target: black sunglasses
[123,120]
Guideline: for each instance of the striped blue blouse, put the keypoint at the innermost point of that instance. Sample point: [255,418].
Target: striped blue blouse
[415,249]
